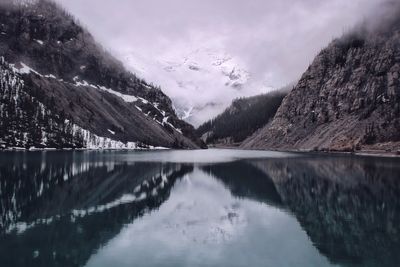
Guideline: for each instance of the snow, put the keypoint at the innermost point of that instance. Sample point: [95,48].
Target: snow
[185,114]
[147,86]
[219,77]
[91,141]
[26,69]
[155,105]
[143,100]
[39,42]
[95,142]
[165,122]
[165,118]
[126,98]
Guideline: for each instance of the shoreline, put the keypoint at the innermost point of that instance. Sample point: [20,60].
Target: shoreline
[18,149]
[364,153]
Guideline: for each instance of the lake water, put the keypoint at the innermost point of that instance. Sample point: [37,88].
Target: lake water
[198,208]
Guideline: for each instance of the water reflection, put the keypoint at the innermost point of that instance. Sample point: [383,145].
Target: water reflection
[246,181]
[349,207]
[57,210]
[118,208]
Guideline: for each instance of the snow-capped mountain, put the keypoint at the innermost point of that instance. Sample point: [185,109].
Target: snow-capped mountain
[201,82]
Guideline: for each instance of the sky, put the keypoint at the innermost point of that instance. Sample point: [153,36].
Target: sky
[273,40]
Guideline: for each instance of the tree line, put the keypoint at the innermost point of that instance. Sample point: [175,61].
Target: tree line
[242,118]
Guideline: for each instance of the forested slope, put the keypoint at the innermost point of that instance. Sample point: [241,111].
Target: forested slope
[242,118]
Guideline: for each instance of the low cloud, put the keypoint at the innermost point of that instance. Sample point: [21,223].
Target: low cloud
[274,40]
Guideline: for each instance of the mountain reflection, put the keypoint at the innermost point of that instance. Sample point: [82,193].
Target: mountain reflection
[66,206]
[349,207]
[59,208]
[246,181]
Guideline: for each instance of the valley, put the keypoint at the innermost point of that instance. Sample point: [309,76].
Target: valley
[199,133]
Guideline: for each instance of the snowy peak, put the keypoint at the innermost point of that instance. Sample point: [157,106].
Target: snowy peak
[201,82]
[210,62]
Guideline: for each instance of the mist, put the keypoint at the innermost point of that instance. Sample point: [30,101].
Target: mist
[274,41]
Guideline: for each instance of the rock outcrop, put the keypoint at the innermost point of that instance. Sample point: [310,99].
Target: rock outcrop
[348,99]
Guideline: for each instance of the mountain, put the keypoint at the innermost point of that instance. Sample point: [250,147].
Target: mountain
[201,81]
[56,76]
[242,118]
[348,99]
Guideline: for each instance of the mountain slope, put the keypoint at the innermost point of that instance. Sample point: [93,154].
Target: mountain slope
[242,118]
[70,74]
[25,122]
[348,99]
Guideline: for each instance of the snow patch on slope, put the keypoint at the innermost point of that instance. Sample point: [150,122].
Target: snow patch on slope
[26,69]
[39,42]
[95,142]
[125,97]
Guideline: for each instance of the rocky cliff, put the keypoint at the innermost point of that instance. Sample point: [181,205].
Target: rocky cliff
[63,68]
[349,97]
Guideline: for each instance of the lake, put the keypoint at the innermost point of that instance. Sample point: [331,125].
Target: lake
[198,208]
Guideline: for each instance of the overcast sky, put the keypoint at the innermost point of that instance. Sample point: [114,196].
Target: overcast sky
[275,40]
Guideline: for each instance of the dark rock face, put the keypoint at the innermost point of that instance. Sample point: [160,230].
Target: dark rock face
[348,99]
[70,73]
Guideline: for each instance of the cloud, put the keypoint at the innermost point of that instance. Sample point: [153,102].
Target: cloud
[274,40]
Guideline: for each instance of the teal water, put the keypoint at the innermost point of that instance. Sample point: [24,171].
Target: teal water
[198,208]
